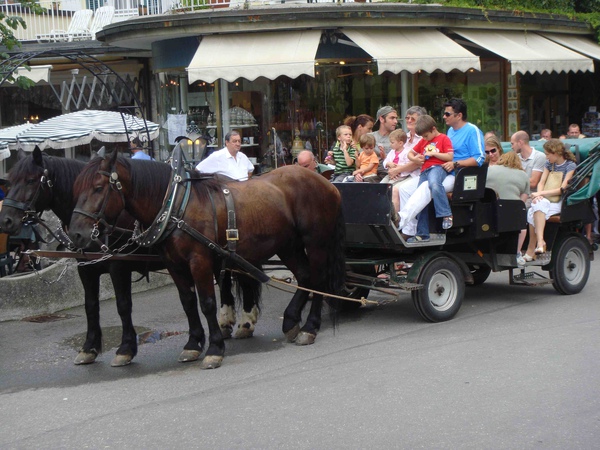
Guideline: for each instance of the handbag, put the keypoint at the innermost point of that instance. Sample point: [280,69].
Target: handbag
[554,181]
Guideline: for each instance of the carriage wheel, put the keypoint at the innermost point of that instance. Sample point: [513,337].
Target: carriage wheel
[443,290]
[571,266]
[480,273]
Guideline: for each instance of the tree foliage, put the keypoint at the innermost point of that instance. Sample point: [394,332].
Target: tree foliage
[584,10]
[8,26]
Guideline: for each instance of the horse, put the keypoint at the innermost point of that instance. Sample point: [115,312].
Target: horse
[40,182]
[289,212]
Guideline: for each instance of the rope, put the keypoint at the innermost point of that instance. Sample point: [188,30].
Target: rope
[363,301]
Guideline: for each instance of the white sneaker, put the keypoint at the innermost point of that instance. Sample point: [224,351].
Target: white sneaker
[521,261]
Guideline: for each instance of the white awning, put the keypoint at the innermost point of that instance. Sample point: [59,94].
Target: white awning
[253,55]
[36,74]
[412,50]
[529,52]
[578,43]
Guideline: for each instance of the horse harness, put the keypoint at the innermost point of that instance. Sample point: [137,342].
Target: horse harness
[173,208]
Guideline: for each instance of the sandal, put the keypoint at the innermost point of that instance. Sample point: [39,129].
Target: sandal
[527,258]
[447,223]
[417,239]
[540,250]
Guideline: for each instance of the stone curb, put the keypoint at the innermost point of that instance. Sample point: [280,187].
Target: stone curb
[34,294]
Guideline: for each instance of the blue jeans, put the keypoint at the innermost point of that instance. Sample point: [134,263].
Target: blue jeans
[435,176]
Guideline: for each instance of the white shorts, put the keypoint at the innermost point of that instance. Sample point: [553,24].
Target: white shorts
[546,206]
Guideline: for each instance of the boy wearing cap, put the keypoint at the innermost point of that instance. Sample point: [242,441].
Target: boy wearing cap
[387,117]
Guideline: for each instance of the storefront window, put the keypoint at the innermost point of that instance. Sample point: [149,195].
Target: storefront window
[482,92]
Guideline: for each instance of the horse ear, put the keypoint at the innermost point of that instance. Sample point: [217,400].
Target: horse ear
[37,156]
[21,154]
[113,157]
[101,153]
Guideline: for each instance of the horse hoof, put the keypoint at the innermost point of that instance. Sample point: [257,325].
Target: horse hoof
[189,356]
[292,334]
[85,358]
[211,362]
[227,331]
[244,333]
[121,360]
[305,338]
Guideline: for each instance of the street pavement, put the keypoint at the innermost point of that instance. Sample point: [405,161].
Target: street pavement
[517,368]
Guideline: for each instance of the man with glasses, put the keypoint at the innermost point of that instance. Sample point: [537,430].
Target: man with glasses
[467,141]
[228,161]
[387,117]
[307,160]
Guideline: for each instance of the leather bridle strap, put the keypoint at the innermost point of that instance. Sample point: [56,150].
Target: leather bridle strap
[99,217]
[26,207]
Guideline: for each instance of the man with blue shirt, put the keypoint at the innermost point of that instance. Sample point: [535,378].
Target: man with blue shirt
[469,150]
[137,152]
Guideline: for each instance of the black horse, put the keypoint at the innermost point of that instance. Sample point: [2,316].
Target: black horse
[40,182]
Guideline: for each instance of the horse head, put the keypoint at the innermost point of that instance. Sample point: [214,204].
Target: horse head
[30,191]
[100,191]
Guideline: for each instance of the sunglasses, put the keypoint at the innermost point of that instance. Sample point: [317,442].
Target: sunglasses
[448,114]
[487,152]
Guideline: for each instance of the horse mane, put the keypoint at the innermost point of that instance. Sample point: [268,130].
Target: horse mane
[62,171]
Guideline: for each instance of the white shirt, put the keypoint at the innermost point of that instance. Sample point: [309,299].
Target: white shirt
[223,163]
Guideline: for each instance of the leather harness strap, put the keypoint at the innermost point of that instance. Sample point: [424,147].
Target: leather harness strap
[231,232]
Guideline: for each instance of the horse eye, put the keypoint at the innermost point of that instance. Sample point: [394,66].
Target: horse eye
[98,189]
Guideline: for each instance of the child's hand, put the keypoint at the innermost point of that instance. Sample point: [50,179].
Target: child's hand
[381,151]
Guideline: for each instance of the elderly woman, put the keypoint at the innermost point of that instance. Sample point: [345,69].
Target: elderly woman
[558,159]
[397,171]
[493,150]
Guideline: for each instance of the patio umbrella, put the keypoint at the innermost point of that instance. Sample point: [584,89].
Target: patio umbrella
[8,138]
[4,150]
[81,127]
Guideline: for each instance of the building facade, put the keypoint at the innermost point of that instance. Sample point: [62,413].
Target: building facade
[286,75]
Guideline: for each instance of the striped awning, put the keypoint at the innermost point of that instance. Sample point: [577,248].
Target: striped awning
[413,50]
[253,55]
[528,52]
[81,127]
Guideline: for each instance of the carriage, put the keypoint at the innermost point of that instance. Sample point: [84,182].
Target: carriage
[482,240]
[274,217]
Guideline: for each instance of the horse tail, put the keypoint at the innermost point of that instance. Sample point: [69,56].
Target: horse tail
[336,264]
[249,290]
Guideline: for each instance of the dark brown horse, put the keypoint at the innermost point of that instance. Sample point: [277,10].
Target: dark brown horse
[290,212]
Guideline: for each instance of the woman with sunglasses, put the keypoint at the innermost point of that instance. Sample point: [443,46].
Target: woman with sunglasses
[493,150]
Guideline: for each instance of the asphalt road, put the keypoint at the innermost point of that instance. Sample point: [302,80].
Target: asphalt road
[516,369]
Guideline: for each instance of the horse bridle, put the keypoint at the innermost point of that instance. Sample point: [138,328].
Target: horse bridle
[100,217]
[28,207]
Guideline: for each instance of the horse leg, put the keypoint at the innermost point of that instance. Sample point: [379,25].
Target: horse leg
[293,315]
[295,260]
[120,275]
[251,290]
[309,266]
[317,262]
[187,295]
[208,304]
[227,311]
[92,347]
